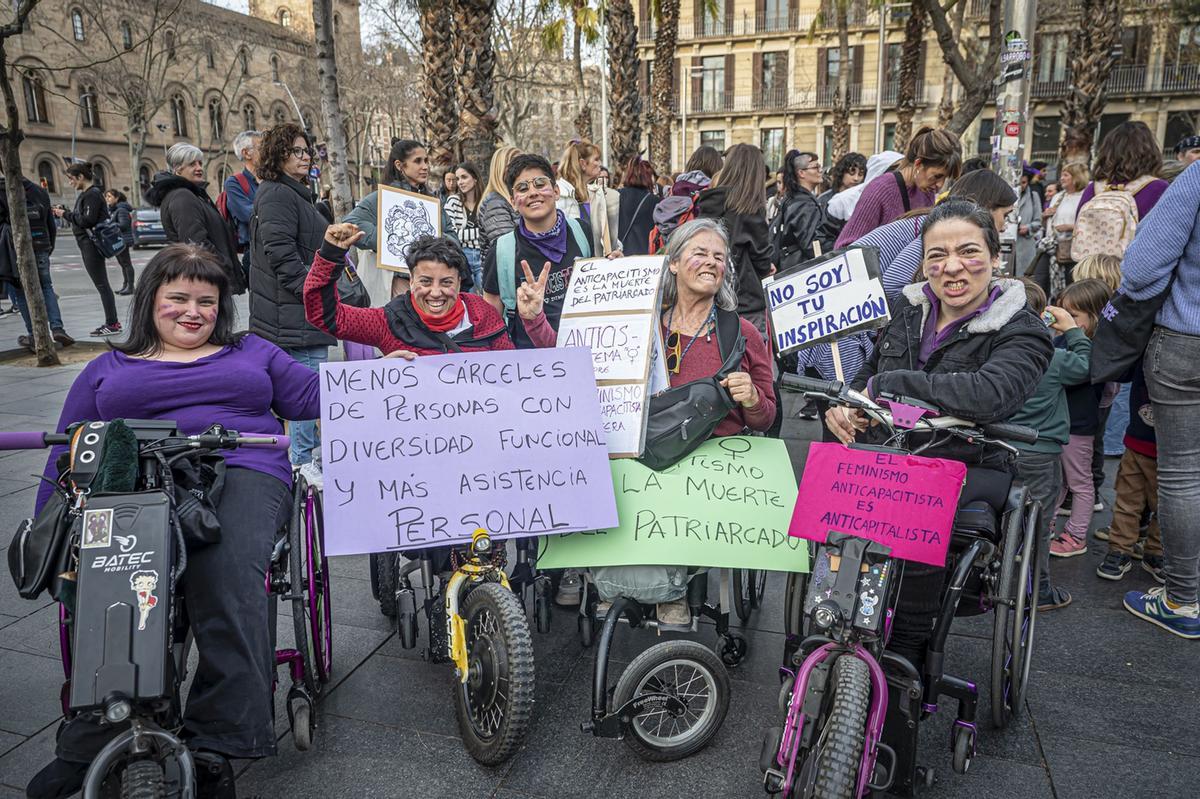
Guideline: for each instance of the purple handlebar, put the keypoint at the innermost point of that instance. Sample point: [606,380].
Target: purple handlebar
[28,440]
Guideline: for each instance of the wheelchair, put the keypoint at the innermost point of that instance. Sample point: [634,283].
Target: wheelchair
[842,688]
[125,662]
[672,699]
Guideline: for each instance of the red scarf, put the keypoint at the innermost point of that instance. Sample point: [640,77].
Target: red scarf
[447,321]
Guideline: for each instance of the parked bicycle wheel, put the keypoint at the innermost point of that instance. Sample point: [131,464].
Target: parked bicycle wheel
[839,753]
[311,605]
[693,674]
[495,704]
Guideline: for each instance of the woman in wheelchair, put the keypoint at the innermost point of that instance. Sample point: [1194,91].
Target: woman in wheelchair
[965,342]
[182,361]
[697,292]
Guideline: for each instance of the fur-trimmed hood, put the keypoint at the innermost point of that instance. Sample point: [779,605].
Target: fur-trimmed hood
[1011,301]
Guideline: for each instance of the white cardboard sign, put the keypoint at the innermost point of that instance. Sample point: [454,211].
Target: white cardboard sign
[403,216]
[612,307]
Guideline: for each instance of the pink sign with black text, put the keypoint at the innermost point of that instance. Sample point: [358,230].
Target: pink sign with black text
[905,502]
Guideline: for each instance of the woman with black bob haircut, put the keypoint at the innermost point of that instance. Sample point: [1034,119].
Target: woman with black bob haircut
[435,316]
[183,362]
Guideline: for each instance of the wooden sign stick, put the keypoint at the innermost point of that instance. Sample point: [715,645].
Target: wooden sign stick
[833,345]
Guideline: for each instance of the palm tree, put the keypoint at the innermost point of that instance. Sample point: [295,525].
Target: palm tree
[910,65]
[1092,58]
[623,97]
[584,22]
[475,64]
[975,75]
[662,82]
[437,88]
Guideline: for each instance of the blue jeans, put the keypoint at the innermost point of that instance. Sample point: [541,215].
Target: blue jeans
[475,261]
[17,295]
[306,440]
[1174,386]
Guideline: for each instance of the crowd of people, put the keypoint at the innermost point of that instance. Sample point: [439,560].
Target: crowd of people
[962,336]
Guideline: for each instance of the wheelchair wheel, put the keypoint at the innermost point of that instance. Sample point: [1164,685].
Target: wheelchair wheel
[384,568]
[1015,614]
[748,587]
[143,779]
[794,592]
[839,756]
[311,606]
[691,673]
[494,705]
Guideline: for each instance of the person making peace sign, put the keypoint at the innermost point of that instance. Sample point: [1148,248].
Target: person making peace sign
[433,318]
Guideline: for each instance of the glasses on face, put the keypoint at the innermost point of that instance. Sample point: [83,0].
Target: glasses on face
[537,184]
[814,165]
[300,152]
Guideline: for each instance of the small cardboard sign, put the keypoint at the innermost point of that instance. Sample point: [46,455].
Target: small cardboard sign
[403,216]
[612,307]
[905,502]
[826,298]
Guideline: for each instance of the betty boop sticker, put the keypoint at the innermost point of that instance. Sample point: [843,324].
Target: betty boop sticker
[144,583]
[403,217]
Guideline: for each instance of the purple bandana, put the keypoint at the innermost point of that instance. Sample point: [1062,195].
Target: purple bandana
[552,244]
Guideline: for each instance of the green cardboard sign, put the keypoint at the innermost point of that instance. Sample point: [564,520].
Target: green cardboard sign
[727,505]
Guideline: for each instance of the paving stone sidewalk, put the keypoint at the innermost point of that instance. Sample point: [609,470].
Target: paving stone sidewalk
[1111,712]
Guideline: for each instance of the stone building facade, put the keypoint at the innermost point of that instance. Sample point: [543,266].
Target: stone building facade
[204,72]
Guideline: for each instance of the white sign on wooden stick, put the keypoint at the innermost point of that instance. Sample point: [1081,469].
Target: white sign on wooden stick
[403,217]
[611,307]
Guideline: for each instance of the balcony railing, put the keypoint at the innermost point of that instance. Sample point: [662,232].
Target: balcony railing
[1129,79]
[723,28]
[780,100]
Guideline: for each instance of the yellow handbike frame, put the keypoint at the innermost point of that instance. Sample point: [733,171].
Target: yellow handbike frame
[474,570]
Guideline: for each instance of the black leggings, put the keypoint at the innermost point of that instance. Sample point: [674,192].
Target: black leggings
[126,268]
[93,262]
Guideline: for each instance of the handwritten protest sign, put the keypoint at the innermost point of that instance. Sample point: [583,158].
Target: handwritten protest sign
[419,454]
[826,299]
[611,306]
[906,502]
[402,217]
[725,505]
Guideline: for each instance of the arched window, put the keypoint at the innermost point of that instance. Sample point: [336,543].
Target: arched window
[35,98]
[216,120]
[285,17]
[89,108]
[249,117]
[179,115]
[77,24]
[126,35]
[244,61]
[169,44]
[45,173]
[275,68]
[210,56]
[279,115]
[144,177]
[337,23]
[98,177]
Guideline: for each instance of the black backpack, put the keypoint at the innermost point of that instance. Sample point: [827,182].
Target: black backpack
[39,224]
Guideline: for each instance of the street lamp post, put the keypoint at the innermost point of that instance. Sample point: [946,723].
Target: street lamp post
[1012,111]
[295,105]
[75,125]
[884,9]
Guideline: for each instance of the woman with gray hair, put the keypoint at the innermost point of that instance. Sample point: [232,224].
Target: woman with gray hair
[189,214]
[697,291]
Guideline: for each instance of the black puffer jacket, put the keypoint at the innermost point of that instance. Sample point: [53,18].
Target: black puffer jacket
[286,231]
[985,372]
[90,209]
[749,247]
[189,216]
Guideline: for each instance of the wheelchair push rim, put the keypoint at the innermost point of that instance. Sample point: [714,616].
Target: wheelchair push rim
[1016,616]
[311,610]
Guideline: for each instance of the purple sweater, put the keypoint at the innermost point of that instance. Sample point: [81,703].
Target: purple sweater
[880,203]
[238,387]
[1144,199]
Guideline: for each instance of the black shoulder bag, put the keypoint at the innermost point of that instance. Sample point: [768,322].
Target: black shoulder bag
[682,418]
[1123,334]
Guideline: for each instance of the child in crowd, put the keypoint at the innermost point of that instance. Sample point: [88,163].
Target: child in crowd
[1106,268]
[1046,411]
[1083,301]
[1137,492]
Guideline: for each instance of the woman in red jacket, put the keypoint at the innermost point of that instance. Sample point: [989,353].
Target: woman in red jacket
[434,317]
